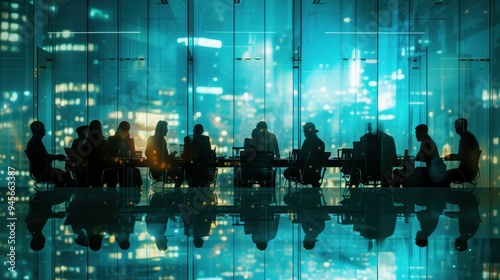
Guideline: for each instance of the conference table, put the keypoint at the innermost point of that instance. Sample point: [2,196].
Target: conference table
[232,162]
[235,162]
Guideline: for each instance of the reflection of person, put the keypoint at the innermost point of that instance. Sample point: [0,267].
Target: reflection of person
[260,221]
[468,154]
[432,175]
[265,141]
[40,210]
[196,155]
[89,215]
[121,227]
[434,202]
[311,144]
[41,161]
[198,221]
[162,164]
[468,217]
[308,206]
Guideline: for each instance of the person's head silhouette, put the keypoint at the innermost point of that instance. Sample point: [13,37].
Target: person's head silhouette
[37,242]
[421,240]
[161,128]
[261,245]
[461,125]
[309,129]
[198,129]
[38,129]
[161,243]
[198,242]
[461,244]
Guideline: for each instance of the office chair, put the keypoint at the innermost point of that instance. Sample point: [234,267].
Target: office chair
[37,181]
[473,181]
[313,171]
[202,170]
[256,167]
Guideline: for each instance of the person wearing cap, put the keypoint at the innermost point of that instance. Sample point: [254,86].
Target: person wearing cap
[312,144]
[196,148]
[265,141]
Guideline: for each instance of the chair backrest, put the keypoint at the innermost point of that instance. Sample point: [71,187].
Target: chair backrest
[30,160]
[256,165]
[313,169]
[253,158]
[208,161]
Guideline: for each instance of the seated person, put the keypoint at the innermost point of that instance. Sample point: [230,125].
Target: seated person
[97,160]
[264,140]
[432,175]
[256,163]
[197,146]
[162,164]
[468,154]
[379,149]
[122,145]
[311,144]
[41,161]
[80,149]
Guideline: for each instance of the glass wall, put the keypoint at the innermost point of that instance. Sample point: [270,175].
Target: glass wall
[229,64]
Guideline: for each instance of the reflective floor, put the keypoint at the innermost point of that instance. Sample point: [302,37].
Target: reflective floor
[287,233]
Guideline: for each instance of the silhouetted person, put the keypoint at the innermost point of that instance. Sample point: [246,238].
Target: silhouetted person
[312,144]
[468,155]
[82,132]
[264,140]
[251,143]
[256,164]
[379,150]
[122,145]
[433,174]
[196,157]
[40,210]
[163,166]
[98,160]
[41,161]
[77,159]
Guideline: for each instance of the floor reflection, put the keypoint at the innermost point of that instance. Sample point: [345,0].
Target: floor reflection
[301,233]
